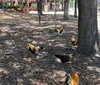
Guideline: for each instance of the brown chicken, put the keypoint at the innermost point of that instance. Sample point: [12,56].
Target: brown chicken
[73,40]
[33,49]
[74,79]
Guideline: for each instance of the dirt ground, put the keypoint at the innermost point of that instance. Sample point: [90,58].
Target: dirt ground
[19,67]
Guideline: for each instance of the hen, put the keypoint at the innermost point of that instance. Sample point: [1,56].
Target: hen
[74,79]
[64,58]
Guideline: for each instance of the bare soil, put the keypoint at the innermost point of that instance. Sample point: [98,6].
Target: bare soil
[19,67]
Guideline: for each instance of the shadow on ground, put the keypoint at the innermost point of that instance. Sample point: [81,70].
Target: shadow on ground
[18,65]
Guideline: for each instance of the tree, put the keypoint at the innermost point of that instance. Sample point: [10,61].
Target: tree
[1,5]
[66,9]
[39,6]
[88,40]
[26,4]
[75,11]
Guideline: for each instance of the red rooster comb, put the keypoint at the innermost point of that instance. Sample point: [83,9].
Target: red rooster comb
[27,45]
[71,35]
[78,73]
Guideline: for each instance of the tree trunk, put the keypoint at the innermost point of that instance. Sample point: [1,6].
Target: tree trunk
[1,5]
[75,11]
[62,5]
[39,6]
[88,40]
[26,4]
[66,9]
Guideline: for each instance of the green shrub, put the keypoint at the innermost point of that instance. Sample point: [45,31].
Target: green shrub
[10,6]
[20,6]
[34,5]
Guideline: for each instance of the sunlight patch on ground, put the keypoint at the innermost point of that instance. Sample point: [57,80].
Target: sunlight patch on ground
[51,40]
[34,22]
[37,36]
[74,32]
[6,17]
[14,15]
[25,25]
[3,34]
[2,70]
[20,81]
[61,73]
[9,42]
[17,26]
[48,21]
[28,59]
[4,29]
[58,76]
[12,31]
[49,44]
[36,33]
[61,45]
[93,68]
[33,82]
[49,26]
[16,65]
[97,81]
[45,53]
[26,17]
[32,27]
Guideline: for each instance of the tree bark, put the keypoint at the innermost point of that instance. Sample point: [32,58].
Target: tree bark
[88,40]
[66,9]
[39,7]
[26,4]
[75,11]
[1,5]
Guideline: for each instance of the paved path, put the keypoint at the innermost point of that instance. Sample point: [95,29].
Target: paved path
[71,12]
[98,20]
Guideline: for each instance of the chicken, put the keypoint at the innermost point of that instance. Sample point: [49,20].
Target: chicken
[33,49]
[73,80]
[64,58]
[60,30]
[73,40]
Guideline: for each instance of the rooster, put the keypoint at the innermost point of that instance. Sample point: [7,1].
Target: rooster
[73,80]
[33,49]
[64,58]
[73,40]
[60,30]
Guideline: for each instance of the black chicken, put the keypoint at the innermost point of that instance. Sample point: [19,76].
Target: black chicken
[64,58]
